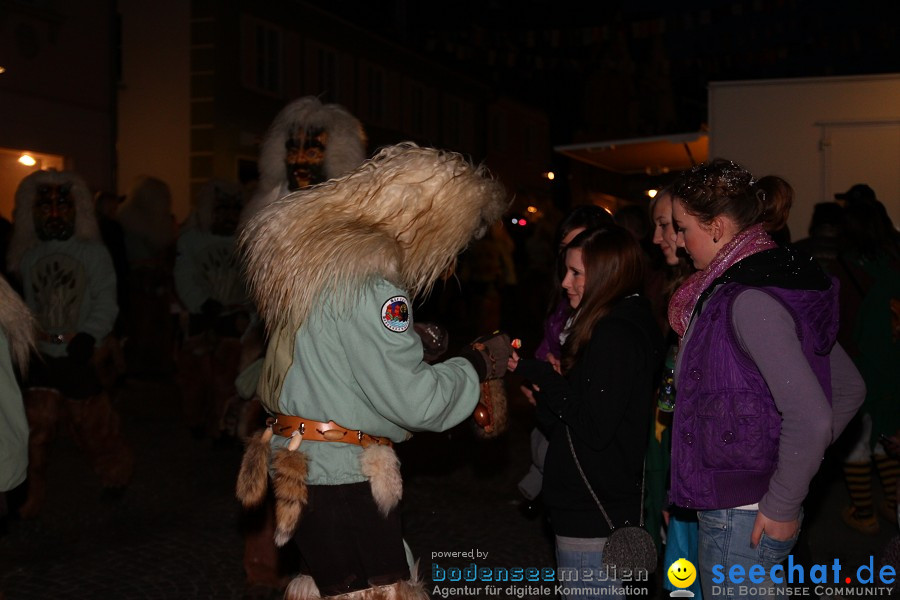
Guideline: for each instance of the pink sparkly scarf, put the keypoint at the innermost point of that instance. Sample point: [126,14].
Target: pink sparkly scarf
[750,241]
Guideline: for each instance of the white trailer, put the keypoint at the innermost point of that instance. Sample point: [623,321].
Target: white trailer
[822,135]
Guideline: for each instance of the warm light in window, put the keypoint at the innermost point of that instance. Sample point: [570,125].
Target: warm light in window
[2,70]
[652,193]
[27,160]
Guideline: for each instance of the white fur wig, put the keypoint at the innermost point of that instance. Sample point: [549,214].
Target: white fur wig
[201,216]
[405,214]
[24,235]
[18,324]
[345,149]
[147,212]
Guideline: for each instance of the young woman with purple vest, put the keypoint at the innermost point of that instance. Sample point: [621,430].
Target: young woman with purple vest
[763,388]
[596,413]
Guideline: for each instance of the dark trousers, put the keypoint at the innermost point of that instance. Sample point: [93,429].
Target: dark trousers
[347,543]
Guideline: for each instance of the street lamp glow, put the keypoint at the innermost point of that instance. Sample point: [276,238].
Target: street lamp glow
[652,193]
[550,175]
[27,160]
[532,209]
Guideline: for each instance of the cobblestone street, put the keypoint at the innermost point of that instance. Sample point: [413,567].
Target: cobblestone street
[175,532]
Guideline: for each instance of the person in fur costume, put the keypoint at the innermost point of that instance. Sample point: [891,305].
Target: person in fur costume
[209,285]
[149,231]
[70,285]
[307,143]
[333,269]
[16,345]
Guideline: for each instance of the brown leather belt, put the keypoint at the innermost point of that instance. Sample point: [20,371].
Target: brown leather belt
[317,431]
[56,338]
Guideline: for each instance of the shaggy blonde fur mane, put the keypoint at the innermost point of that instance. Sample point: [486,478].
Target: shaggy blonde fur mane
[17,324]
[24,235]
[403,215]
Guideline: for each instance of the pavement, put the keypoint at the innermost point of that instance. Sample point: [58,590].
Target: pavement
[175,533]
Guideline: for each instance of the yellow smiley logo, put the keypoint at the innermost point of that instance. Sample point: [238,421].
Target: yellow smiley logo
[682,573]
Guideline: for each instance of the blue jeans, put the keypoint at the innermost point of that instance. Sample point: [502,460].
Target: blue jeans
[725,540]
[582,559]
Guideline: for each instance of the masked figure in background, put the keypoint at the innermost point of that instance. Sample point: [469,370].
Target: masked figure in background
[307,143]
[16,344]
[70,285]
[333,270]
[209,284]
[149,231]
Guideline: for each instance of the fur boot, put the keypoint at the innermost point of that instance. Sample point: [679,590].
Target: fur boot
[289,485]
[304,588]
[381,465]
[43,408]
[97,429]
[253,478]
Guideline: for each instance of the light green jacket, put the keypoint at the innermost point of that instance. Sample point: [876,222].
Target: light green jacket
[363,371]
[13,425]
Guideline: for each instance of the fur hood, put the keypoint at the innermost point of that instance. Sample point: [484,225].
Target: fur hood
[17,325]
[403,215]
[201,216]
[24,235]
[345,150]
[343,153]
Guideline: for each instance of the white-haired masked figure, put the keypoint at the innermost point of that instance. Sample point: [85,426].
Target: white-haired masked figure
[307,143]
[210,287]
[70,285]
[333,270]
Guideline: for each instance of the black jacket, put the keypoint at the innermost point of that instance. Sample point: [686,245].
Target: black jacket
[606,402]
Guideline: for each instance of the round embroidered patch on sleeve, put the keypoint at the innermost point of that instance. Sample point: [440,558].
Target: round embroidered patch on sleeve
[395,314]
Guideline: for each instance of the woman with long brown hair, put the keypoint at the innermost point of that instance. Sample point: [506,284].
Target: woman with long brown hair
[596,412]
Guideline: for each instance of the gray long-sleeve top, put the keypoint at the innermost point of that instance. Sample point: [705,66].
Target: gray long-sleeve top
[767,333]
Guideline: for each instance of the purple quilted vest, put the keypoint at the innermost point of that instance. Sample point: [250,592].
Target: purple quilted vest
[726,427]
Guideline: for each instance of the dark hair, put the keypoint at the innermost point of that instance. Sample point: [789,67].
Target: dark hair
[613,269]
[588,216]
[869,230]
[583,215]
[723,187]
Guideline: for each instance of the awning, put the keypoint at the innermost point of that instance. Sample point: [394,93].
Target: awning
[650,155]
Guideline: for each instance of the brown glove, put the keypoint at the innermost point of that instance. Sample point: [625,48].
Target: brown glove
[489,355]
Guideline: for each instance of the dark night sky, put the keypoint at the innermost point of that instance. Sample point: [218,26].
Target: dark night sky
[544,52]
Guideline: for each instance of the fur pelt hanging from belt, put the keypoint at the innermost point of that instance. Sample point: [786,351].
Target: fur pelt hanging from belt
[403,215]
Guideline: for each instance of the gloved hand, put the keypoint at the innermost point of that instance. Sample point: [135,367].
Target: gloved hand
[81,347]
[489,355]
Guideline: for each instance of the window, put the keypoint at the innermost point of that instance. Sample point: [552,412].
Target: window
[262,57]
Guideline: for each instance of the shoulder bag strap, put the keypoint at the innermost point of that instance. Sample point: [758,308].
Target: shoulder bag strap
[591,490]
